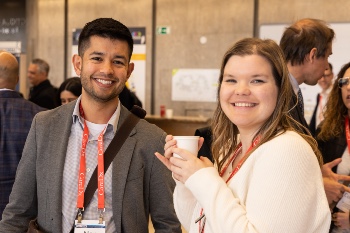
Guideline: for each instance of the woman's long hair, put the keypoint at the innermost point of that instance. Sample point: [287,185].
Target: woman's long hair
[334,115]
[225,133]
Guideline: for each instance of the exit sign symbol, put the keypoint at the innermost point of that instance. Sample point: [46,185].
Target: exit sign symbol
[163,30]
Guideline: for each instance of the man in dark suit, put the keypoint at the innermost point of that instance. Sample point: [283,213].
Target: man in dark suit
[42,92]
[16,116]
[306,44]
[326,84]
[64,145]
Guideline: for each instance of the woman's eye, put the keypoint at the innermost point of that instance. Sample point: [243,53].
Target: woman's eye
[230,81]
[257,81]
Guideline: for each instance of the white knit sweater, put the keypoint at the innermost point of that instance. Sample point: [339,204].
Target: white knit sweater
[278,189]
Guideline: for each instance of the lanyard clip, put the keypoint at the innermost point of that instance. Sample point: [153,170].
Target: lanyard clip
[100,218]
[199,218]
[80,214]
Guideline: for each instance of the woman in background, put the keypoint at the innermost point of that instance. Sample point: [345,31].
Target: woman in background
[267,179]
[332,137]
[69,90]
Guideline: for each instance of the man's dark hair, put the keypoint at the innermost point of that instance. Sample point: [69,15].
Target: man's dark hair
[106,28]
[304,35]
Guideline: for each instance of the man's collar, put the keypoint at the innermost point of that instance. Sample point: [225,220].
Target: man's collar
[112,121]
[294,83]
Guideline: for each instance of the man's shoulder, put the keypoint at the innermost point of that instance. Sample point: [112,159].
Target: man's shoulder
[147,128]
[22,105]
[61,111]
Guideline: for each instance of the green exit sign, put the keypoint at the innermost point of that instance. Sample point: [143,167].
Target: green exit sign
[163,30]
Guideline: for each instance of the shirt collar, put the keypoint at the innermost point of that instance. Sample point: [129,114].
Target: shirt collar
[294,83]
[113,121]
[5,89]
[326,92]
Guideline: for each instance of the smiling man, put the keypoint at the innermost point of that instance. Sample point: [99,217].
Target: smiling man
[136,184]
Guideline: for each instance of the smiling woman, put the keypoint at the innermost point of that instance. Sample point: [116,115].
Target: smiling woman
[266,176]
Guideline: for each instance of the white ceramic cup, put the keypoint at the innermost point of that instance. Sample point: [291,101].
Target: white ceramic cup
[189,143]
[169,113]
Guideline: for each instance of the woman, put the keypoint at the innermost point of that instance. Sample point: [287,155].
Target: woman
[69,90]
[267,179]
[332,134]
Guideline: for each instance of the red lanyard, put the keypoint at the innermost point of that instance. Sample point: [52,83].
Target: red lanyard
[82,170]
[235,153]
[347,132]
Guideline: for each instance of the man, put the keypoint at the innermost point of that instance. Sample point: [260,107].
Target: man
[307,44]
[136,184]
[16,116]
[326,84]
[42,92]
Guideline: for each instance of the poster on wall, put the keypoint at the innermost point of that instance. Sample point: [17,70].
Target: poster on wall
[76,33]
[137,80]
[196,85]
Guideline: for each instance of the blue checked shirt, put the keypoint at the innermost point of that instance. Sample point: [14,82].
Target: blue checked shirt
[71,169]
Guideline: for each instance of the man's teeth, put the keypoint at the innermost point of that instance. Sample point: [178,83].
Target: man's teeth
[104,81]
[244,104]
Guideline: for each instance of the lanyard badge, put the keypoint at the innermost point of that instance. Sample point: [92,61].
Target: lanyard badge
[82,175]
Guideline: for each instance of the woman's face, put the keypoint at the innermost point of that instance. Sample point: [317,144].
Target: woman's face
[248,93]
[345,91]
[67,96]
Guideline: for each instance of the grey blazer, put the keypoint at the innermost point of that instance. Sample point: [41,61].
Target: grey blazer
[141,183]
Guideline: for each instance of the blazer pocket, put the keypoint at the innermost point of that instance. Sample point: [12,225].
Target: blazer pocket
[135,173]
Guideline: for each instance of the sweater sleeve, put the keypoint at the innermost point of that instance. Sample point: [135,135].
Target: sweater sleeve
[184,203]
[278,189]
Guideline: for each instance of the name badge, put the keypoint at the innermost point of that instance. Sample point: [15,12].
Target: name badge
[344,203]
[89,226]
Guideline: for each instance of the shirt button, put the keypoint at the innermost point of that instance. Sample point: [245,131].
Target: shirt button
[88,169]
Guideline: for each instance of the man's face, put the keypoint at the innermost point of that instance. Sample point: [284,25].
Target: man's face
[327,79]
[316,67]
[104,68]
[34,75]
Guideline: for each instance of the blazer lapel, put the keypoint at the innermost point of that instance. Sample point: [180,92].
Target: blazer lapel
[60,129]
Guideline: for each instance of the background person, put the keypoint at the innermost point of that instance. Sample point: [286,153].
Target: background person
[332,134]
[136,185]
[267,179]
[129,99]
[42,92]
[326,84]
[16,116]
[69,90]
